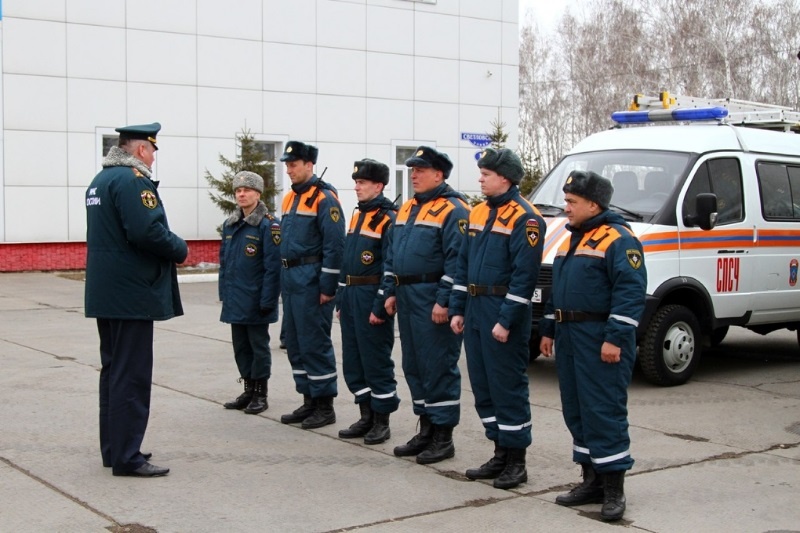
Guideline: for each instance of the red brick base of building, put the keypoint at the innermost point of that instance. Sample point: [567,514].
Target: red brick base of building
[47,256]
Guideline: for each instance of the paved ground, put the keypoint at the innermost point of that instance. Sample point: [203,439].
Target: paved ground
[721,453]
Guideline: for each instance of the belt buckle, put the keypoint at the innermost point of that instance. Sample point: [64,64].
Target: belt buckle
[472,289]
[396,279]
[347,280]
[559,315]
[285,263]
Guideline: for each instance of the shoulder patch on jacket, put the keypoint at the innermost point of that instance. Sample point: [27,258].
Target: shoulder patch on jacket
[634,258]
[149,199]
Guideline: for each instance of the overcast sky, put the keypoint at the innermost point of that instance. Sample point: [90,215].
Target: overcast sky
[545,12]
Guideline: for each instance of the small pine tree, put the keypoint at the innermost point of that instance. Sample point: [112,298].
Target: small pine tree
[498,136]
[250,158]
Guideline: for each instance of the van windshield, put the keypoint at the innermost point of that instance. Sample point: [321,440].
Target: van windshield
[643,180]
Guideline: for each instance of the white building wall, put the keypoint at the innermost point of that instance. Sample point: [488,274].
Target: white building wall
[357,78]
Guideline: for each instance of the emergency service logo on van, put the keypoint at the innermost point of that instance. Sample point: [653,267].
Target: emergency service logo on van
[149,199]
[250,249]
[793,272]
[532,232]
[367,257]
[634,258]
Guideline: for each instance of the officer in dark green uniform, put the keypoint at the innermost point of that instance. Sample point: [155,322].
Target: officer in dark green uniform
[131,280]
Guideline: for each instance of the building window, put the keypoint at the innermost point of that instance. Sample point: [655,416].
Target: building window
[402,176]
[108,142]
[266,149]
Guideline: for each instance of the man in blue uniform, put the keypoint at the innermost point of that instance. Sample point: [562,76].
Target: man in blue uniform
[491,305]
[249,286]
[367,331]
[419,269]
[131,280]
[599,290]
[312,241]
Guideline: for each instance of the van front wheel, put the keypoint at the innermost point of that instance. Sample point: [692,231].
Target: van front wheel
[670,350]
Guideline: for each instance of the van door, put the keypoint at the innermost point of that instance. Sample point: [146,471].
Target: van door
[722,259]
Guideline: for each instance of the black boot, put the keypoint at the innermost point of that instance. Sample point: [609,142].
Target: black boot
[514,472]
[589,491]
[380,431]
[244,398]
[440,448]
[419,441]
[302,412]
[614,497]
[362,425]
[259,402]
[493,467]
[323,415]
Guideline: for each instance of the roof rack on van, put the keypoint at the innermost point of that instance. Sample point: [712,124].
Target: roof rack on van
[664,107]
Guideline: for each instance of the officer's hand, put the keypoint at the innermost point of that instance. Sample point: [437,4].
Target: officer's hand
[266,311]
[546,346]
[499,333]
[324,298]
[390,305]
[457,324]
[374,320]
[610,353]
[439,314]
[338,314]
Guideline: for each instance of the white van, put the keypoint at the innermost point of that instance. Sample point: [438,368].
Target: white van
[670,182]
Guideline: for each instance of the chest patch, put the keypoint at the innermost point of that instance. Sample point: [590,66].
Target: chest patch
[367,257]
[250,249]
[149,199]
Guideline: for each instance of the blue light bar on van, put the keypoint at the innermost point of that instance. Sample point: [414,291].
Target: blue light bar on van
[661,115]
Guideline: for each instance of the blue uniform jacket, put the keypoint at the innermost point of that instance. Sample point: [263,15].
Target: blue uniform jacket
[312,224]
[426,239]
[131,271]
[250,267]
[502,249]
[366,245]
[600,269]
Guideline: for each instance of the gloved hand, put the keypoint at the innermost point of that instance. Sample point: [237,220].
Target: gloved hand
[266,311]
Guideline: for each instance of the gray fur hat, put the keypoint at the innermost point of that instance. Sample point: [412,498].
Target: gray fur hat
[504,162]
[248,179]
[589,185]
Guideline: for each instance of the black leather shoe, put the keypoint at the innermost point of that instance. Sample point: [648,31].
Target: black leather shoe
[146,470]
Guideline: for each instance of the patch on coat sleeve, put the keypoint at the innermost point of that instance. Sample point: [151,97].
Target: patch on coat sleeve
[149,199]
[532,232]
[275,229]
[634,258]
[463,224]
[335,214]
[250,249]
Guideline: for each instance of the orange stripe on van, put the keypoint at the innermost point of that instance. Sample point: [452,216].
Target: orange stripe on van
[556,228]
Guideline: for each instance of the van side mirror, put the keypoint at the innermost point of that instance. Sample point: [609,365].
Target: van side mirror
[706,209]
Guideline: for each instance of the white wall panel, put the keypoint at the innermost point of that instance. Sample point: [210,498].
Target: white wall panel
[81,166]
[390,76]
[174,106]
[341,119]
[25,209]
[449,7]
[290,68]
[510,85]
[390,30]
[510,53]
[481,83]
[208,151]
[34,47]
[438,122]
[93,103]
[436,80]
[341,72]
[181,207]
[290,114]
[177,161]
[224,112]
[96,52]
[209,216]
[481,40]
[290,22]
[156,57]
[35,159]
[232,63]
[178,16]
[344,24]
[436,35]
[389,119]
[483,9]
[76,213]
[511,11]
[35,103]
[240,19]
[96,12]
[40,9]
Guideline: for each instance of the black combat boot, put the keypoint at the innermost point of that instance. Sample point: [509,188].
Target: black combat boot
[380,431]
[440,448]
[515,472]
[589,491]
[614,497]
[361,426]
[419,441]
[243,400]
[323,415]
[259,402]
[302,412]
[493,467]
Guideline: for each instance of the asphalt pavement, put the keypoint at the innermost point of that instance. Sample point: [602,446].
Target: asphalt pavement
[721,453]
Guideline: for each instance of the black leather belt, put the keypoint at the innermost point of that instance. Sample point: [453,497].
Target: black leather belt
[579,316]
[486,290]
[289,263]
[362,280]
[418,278]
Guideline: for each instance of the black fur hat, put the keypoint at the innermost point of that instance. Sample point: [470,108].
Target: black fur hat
[504,162]
[296,150]
[369,169]
[591,186]
[427,157]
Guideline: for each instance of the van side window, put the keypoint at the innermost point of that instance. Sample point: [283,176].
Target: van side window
[780,190]
[722,177]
